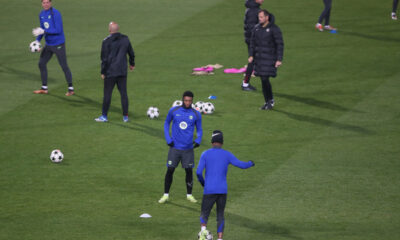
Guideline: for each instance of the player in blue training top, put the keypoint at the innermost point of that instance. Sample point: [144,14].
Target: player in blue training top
[184,120]
[215,161]
[51,27]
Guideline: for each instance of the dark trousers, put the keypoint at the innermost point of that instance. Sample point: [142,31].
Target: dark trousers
[250,67]
[326,14]
[109,84]
[395,3]
[206,206]
[267,88]
[46,55]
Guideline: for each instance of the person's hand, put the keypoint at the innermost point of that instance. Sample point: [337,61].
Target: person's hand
[102,76]
[278,63]
[171,144]
[252,163]
[195,145]
[131,67]
[251,59]
[37,31]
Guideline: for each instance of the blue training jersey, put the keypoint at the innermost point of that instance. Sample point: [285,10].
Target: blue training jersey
[183,123]
[216,161]
[51,22]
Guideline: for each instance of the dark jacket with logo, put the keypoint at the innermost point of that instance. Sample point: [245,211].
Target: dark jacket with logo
[251,18]
[266,46]
[114,49]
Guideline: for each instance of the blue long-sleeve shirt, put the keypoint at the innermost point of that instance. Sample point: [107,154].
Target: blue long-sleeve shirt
[51,22]
[216,161]
[183,123]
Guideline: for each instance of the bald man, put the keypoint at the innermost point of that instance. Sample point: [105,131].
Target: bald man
[114,69]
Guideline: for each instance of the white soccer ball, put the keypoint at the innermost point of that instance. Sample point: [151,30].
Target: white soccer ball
[208,108]
[207,235]
[56,156]
[199,106]
[35,46]
[177,103]
[153,112]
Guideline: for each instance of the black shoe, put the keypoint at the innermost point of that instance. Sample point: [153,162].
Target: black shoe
[266,106]
[248,88]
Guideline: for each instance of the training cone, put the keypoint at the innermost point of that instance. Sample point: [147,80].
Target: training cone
[145,215]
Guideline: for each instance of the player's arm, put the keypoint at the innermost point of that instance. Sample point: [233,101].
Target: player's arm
[200,168]
[103,58]
[237,163]
[252,45]
[39,37]
[277,34]
[57,28]
[199,130]
[167,123]
[131,54]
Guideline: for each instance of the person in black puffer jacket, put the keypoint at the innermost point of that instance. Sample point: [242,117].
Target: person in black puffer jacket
[250,20]
[266,51]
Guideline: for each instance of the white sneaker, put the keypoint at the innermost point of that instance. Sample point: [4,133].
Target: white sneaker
[394,16]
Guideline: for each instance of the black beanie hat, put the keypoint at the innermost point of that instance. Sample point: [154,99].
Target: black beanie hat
[217,136]
[187,94]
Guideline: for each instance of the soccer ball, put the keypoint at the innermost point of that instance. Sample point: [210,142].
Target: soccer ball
[199,106]
[177,103]
[208,108]
[35,46]
[56,156]
[153,112]
[205,235]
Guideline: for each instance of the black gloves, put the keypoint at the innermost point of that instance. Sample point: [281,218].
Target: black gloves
[195,145]
[252,163]
[171,144]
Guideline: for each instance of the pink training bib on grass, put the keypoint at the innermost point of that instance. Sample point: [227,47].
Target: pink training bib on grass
[235,70]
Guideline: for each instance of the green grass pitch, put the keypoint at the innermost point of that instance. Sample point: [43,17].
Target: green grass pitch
[327,157]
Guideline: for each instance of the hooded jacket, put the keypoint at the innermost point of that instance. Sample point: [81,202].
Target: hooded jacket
[114,49]
[251,18]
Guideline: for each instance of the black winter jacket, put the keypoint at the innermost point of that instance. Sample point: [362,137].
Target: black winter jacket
[113,55]
[266,46]
[251,18]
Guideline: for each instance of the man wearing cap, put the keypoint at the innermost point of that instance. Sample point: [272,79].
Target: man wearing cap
[184,120]
[215,161]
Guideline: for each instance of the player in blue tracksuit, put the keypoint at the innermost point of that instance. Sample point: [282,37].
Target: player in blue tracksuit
[184,121]
[51,27]
[216,161]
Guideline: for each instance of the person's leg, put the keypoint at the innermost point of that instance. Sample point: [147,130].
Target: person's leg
[395,3]
[267,92]
[328,6]
[187,164]
[221,202]
[45,56]
[249,71]
[109,84]
[168,179]
[206,206]
[173,160]
[121,84]
[62,60]
[322,17]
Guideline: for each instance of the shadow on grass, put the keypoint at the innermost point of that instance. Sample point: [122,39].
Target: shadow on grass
[366,36]
[141,128]
[315,102]
[82,101]
[262,227]
[25,75]
[323,122]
